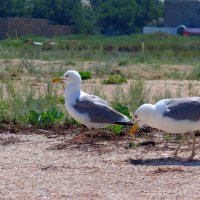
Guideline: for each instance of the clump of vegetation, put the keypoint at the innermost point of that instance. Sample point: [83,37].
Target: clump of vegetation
[122,108]
[85,75]
[133,145]
[46,118]
[195,73]
[20,106]
[102,69]
[123,62]
[115,79]
[118,129]
[136,94]
[165,94]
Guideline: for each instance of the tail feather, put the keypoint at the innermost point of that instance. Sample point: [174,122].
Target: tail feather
[129,123]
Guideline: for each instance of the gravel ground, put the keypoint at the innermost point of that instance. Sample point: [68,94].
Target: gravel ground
[42,166]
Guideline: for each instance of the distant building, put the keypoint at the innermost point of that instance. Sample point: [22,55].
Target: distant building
[13,27]
[182,12]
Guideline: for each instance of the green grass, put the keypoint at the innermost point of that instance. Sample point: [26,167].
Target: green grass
[157,49]
[115,79]
[85,75]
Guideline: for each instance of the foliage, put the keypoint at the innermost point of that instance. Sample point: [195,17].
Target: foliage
[115,79]
[46,118]
[148,12]
[159,49]
[136,94]
[85,75]
[116,17]
[118,129]
[16,105]
[133,145]
[121,108]
[111,17]
[83,18]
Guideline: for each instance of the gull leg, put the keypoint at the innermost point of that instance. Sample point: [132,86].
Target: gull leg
[180,144]
[92,134]
[193,147]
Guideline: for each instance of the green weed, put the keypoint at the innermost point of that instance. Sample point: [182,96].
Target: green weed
[118,129]
[115,79]
[85,75]
[46,118]
[136,94]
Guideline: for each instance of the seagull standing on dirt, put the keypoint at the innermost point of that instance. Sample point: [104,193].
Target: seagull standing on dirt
[178,115]
[87,109]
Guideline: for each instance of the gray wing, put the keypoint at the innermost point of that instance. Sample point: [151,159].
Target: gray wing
[98,99]
[183,108]
[98,110]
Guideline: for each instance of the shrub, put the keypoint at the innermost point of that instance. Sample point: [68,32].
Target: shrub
[122,109]
[85,75]
[115,79]
[118,129]
[136,94]
[46,118]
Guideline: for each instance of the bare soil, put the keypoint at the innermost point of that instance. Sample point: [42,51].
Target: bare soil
[70,164]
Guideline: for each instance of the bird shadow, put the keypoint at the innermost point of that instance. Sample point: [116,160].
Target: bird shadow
[164,161]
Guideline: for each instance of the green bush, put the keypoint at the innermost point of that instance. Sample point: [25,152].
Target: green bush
[121,108]
[46,118]
[85,75]
[118,129]
[115,79]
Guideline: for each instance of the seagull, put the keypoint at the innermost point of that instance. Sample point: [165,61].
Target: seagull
[178,115]
[90,110]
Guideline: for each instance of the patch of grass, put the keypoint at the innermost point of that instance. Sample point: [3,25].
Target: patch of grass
[118,95]
[28,65]
[115,79]
[102,69]
[176,75]
[136,94]
[124,62]
[166,94]
[195,73]
[17,104]
[155,49]
[46,118]
[133,145]
[85,75]
[167,137]
[121,108]
[118,129]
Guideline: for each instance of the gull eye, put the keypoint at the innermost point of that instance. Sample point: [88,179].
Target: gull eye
[66,76]
[136,116]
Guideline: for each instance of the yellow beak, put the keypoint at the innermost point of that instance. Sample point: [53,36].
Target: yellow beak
[134,128]
[57,80]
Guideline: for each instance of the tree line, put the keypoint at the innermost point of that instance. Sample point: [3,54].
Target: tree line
[110,17]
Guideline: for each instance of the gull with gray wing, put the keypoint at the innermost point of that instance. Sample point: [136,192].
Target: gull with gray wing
[178,115]
[87,109]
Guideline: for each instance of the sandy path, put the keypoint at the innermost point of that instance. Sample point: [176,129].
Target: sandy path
[31,168]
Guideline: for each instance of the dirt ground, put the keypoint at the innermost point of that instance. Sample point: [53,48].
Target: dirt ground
[72,165]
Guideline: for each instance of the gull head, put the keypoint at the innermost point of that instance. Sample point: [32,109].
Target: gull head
[143,114]
[69,77]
